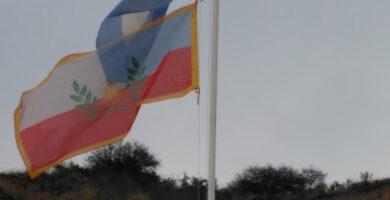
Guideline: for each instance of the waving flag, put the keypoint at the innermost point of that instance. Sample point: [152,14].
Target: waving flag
[91,99]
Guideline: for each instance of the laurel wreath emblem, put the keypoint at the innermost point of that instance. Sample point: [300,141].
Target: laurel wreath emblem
[88,103]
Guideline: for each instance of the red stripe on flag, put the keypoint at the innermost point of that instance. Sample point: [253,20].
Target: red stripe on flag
[71,131]
[175,74]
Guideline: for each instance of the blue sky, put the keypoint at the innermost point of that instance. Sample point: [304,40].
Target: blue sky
[302,83]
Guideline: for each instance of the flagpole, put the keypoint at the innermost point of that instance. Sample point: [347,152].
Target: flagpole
[213,101]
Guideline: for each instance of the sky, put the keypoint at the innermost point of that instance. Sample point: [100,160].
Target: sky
[301,83]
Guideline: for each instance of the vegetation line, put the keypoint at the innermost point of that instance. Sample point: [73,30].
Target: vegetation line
[128,171]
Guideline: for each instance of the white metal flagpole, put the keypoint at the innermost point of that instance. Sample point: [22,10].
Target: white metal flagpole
[213,101]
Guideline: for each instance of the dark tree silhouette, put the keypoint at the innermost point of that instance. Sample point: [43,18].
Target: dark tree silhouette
[132,157]
[273,183]
[129,165]
[315,178]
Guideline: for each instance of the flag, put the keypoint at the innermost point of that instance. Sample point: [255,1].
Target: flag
[91,99]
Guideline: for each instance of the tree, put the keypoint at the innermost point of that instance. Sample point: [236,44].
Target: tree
[366,176]
[314,178]
[192,188]
[129,165]
[132,157]
[263,183]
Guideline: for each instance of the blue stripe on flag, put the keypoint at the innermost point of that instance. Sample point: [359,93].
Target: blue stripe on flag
[111,29]
[158,13]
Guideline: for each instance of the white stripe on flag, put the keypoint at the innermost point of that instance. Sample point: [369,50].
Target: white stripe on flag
[53,97]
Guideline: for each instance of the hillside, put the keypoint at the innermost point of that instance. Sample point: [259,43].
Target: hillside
[128,171]
[382,193]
